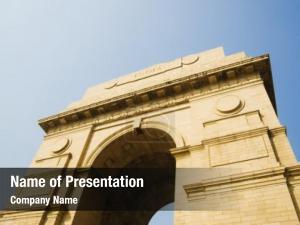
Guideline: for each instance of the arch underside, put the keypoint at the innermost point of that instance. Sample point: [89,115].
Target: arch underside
[147,148]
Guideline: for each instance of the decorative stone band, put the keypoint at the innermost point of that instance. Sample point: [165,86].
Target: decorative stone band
[13,216]
[278,130]
[234,136]
[181,150]
[248,180]
[170,89]
[229,137]
[293,173]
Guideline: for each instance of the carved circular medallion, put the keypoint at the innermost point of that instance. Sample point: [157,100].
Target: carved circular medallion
[60,145]
[189,59]
[229,104]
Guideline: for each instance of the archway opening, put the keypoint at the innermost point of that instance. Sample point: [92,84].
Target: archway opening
[165,215]
[139,149]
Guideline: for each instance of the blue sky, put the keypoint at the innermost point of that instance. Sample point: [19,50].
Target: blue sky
[51,51]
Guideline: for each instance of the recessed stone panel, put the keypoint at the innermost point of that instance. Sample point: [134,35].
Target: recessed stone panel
[237,151]
[232,124]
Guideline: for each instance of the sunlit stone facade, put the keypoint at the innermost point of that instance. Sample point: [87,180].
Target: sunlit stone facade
[219,111]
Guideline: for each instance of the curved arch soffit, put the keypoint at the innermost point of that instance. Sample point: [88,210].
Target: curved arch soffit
[177,138]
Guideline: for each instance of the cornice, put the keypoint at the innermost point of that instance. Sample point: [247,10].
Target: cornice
[235,182]
[172,88]
[293,170]
[236,135]
[246,180]
[181,150]
[278,130]
[186,149]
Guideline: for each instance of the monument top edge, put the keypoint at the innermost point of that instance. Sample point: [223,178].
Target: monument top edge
[169,73]
[158,73]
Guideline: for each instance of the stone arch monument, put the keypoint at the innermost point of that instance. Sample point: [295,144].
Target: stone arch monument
[205,110]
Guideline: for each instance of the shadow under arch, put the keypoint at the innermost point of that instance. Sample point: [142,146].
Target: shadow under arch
[148,148]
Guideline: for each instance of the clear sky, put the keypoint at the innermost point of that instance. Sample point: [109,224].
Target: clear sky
[52,50]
